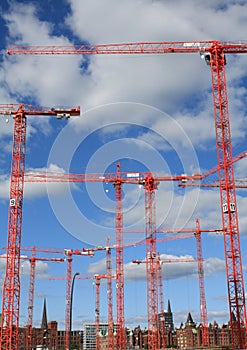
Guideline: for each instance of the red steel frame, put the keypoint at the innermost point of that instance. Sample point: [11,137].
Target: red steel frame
[68,296]
[109,296]
[32,261]
[70,253]
[161,299]
[121,335]
[151,263]
[31,299]
[228,200]
[97,311]
[203,306]
[97,307]
[153,48]
[118,179]
[11,286]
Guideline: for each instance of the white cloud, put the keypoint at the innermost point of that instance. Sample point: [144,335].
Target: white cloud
[97,267]
[218,316]
[160,81]
[240,169]
[173,270]
[155,20]
[41,268]
[37,189]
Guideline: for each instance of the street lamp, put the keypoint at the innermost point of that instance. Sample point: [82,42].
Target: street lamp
[71,301]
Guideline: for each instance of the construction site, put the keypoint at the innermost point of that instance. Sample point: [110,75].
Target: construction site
[111,249]
[214,53]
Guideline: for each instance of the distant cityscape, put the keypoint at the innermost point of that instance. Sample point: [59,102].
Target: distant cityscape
[189,335]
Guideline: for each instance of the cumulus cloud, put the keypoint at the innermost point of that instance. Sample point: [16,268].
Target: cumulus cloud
[111,79]
[41,268]
[34,186]
[174,269]
[97,267]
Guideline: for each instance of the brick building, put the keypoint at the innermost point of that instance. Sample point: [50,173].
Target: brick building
[48,336]
[187,336]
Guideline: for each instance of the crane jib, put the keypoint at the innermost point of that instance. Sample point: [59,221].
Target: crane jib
[132,48]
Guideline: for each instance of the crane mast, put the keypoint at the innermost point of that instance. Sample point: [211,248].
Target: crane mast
[11,286]
[121,336]
[109,296]
[228,200]
[97,311]
[159,325]
[150,186]
[97,307]
[31,299]
[69,253]
[161,303]
[203,306]
[32,261]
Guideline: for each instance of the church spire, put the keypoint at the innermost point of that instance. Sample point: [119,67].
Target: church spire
[44,324]
[169,310]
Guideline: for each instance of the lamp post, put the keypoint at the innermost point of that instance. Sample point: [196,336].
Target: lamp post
[71,301]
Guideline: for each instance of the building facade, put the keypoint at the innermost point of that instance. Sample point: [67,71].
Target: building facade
[187,336]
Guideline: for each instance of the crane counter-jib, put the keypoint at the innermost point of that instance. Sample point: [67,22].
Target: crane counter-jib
[132,48]
[15,109]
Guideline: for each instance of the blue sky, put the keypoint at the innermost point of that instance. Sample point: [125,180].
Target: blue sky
[148,112]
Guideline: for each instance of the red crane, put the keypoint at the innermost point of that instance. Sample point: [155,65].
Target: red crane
[109,296]
[158,276]
[11,287]
[203,306]
[151,267]
[161,300]
[148,180]
[30,308]
[69,253]
[156,260]
[68,279]
[238,184]
[121,336]
[214,53]
[167,261]
[97,306]
[32,261]
[213,170]
[154,336]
